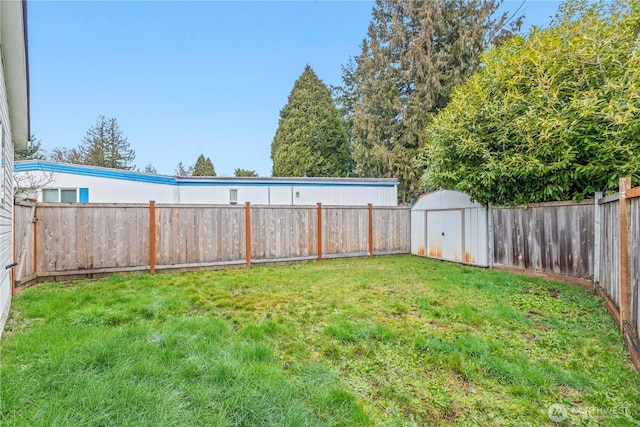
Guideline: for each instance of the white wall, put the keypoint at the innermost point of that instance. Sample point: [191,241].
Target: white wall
[6,202]
[111,189]
[6,214]
[476,235]
[418,232]
[220,194]
[106,190]
[344,195]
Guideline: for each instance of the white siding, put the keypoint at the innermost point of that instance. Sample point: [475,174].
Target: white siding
[476,236]
[6,211]
[220,194]
[344,195]
[418,233]
[110,186]
[14,126]
[107,190]
[280,195]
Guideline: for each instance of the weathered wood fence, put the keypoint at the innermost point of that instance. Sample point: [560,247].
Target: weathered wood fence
[67,240]
[556,237]
[595,240]
[618,274]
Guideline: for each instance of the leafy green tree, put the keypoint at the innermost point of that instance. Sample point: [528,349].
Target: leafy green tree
[311,139]
[203,167]
[414,53]
[551,116]
[245,172]
[105,145]
[32,152]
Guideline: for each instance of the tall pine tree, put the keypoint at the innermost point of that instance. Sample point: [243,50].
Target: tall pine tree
[105,145]
[311,139]
[414,54]
[203,167]
[32,152]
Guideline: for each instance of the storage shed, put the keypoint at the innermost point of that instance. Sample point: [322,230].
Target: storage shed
[447,225]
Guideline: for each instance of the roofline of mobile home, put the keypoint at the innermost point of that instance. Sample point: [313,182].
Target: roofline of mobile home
[96,171]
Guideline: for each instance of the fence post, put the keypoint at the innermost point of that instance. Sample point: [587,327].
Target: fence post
[597,236]
[152,237]
[624,222]
[319,231]
[490,235]
[247,233]
[35,240]
[370,229]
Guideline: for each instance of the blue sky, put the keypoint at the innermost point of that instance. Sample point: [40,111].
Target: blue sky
[184,78]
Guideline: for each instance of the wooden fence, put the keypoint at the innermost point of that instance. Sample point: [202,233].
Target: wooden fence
[24,241]
[556,237]
[634,264]
[618,273]
[67,240]
[595,240]
[608,274]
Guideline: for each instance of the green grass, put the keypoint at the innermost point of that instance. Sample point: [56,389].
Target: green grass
[384,341]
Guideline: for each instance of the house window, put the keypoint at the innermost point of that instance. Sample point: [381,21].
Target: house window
[63,195]
[233,196]
[68,196]
[50,195]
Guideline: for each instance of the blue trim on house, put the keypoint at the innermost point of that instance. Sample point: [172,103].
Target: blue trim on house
[229,183]
[94,171]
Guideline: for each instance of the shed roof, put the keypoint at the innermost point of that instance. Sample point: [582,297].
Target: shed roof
[444,199]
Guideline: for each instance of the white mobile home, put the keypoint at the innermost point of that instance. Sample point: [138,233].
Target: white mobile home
[66,183]
[14,129]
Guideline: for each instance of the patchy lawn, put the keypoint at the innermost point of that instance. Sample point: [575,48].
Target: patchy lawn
[384,341]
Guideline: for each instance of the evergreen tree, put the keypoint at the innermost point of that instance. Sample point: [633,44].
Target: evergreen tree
[32,152]
[245,172]
[181,170]
[203,167]
[66,155]
[104,145]
[414,54]
[311,139]
[150,169]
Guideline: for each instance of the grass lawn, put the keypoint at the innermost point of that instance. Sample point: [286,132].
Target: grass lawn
[383,341]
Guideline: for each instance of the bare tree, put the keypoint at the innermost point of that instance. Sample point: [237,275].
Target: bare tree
[27,184]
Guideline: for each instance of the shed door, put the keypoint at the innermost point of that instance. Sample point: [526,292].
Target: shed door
[444,234]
